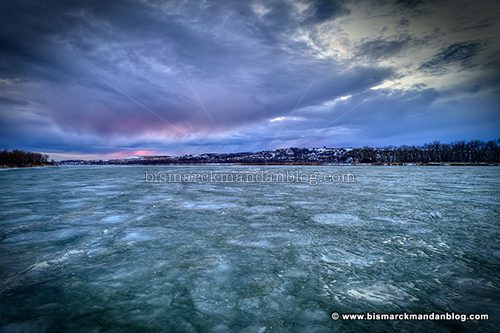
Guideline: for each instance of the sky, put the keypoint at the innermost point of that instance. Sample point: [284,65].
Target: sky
[113,79]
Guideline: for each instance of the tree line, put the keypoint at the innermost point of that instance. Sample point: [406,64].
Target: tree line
[20,158]
[474,151]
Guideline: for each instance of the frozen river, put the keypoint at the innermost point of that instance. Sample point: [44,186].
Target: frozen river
[97,249]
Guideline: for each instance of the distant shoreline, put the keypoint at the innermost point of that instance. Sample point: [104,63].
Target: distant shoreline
[473,152]
[459,153]
[26,166]
[282,164]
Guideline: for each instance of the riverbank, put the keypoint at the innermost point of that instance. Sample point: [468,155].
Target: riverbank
[13,166]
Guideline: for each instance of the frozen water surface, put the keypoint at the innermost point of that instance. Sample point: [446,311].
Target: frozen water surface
[96,249]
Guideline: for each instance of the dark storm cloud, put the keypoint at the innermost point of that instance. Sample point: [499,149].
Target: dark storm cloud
[377,49]
[409,3]
[455,53]
[414,8]
[323,10]
[12,102]
[20,59]
[108,105]
[411,116]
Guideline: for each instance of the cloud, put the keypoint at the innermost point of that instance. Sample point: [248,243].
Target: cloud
[377,49]
[459,53]
[7,101]
[409,3]
[96,76]
[323,10]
